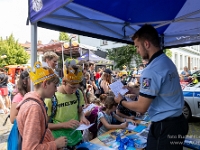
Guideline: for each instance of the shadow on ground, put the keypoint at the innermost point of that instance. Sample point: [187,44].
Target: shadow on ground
[4,138]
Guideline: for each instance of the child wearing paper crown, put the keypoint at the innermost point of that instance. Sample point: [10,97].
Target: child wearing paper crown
[69,114]
[32,117]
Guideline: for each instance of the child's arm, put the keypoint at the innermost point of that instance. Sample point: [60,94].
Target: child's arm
[110,126]
[123,116]
[83,120]
[72,124]
[123,119]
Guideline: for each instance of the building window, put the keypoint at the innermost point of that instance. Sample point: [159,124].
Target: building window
[185,61]
[181,62]
[103,42]
[176,60]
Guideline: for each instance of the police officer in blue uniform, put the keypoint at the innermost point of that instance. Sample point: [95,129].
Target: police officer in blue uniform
[160,94]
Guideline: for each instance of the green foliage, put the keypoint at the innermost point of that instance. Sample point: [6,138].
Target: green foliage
[124,55]
[14,51]
[63,36]
[168,52]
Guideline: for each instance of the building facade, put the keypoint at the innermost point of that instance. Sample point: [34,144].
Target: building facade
[186,56]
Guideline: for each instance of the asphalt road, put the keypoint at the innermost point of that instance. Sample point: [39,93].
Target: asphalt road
[194,130]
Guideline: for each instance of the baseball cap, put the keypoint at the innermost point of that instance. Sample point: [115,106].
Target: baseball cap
[108,71]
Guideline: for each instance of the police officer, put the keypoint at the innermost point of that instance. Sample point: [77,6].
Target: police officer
[160,94]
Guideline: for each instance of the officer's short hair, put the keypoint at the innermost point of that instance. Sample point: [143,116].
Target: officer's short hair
[147,32]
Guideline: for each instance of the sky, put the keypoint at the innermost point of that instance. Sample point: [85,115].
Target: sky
[13,15]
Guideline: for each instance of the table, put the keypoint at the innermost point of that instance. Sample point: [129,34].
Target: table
[97,141]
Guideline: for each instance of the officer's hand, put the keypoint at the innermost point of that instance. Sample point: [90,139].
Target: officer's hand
[118,98]
[73,124]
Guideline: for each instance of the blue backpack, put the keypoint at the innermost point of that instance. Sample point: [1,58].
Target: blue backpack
[15,140]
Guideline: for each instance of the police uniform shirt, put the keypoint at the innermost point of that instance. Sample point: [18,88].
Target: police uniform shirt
[160,81]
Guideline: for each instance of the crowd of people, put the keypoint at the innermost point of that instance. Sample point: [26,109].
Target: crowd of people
[48,116]
[187,77]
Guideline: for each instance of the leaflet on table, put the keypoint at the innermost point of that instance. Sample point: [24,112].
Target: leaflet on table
[106,139]
[139,141]
[139,128]
[143,117]
[130,142]
[131,127]
[144,133]
[121,132]
[117,87]
[89,108]
[92,146]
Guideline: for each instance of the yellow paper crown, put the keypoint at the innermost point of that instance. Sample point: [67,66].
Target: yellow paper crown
[72,75]
[124,67]
[40,74]
[121,73]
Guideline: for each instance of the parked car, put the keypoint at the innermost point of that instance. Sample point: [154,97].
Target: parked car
[191,94]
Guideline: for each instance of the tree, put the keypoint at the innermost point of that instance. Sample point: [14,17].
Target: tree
[14,52]
[63,36]
[124,55]
[168,52]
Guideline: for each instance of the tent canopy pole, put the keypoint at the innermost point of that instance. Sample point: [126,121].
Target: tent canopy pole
[33,47]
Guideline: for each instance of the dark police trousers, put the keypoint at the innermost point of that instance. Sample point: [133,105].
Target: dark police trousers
[167,134]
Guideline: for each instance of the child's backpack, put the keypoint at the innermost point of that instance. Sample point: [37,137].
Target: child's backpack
[93,119]
[15,140]
[55,103]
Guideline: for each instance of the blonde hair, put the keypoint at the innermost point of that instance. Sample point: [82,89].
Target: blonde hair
[49,55]
[96,101]
[110,102]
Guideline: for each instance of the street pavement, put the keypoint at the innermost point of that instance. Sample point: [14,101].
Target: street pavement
[194,131]
[4,131]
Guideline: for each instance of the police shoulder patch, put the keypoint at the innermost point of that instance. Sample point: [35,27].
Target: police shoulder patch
[146,83]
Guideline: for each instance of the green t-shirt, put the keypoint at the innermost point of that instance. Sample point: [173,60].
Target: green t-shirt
[66,110]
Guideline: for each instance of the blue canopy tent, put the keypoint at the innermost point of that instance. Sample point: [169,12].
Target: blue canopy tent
[90,56]
[177,21]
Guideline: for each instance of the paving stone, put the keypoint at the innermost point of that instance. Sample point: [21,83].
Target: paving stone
[4,131]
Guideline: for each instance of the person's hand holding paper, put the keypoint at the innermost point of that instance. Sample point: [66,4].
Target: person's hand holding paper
[117,87]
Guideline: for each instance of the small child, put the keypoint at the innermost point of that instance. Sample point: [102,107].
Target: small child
[131,95]
[91,114]
[105,117]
